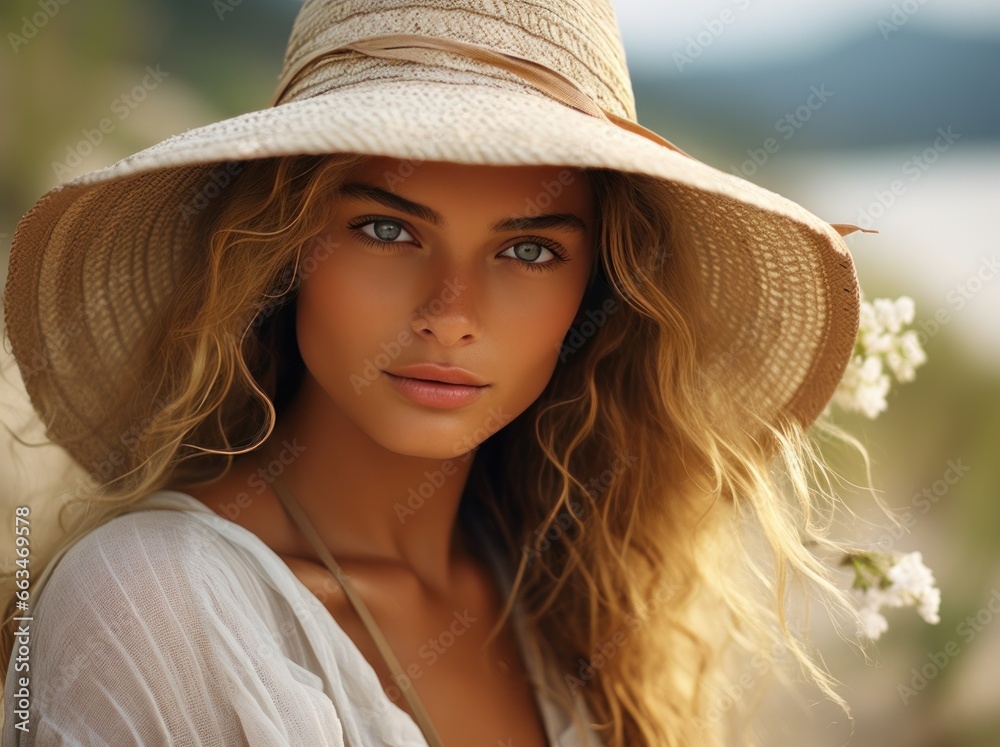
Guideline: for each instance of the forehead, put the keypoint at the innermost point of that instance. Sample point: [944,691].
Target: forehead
[553,184]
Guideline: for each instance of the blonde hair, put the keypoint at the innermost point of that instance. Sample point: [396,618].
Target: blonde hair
[638,586]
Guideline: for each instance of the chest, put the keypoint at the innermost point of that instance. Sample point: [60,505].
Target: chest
[476,691]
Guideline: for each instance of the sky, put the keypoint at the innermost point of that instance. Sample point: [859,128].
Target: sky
[766,29]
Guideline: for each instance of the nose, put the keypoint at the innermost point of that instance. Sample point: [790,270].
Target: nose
[449,311]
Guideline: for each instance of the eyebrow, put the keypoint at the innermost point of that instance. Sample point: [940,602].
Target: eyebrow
[522,223]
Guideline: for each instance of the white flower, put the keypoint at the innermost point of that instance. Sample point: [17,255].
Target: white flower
[882,343]
[905,309]
[914,582]
[873,625]
[863,387]
[866,318]
[893,581]
[930,603]
[906,355]
[885,314]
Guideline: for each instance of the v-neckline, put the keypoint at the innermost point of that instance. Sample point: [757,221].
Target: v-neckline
[534,666]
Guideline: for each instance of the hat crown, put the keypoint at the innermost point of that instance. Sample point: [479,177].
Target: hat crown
[579,39]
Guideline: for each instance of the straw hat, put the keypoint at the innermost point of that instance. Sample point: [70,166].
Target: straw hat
[501,82]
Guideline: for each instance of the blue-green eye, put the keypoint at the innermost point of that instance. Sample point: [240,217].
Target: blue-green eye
[529,252]
[385,232]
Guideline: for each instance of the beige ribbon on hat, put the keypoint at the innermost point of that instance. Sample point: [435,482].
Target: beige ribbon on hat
[414,47]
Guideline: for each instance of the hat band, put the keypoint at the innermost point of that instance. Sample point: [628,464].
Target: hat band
[412,48]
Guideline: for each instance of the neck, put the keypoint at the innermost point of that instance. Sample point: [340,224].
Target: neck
[367,503]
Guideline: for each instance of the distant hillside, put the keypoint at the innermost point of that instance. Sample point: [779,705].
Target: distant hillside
[884,91]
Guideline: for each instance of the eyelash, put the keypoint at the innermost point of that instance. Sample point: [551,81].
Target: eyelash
[560,256]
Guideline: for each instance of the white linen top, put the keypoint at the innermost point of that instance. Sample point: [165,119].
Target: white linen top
[180,628]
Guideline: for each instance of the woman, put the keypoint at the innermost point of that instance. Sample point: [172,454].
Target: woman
[446,314]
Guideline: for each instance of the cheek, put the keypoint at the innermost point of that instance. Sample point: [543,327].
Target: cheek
[533,329]
[337,318]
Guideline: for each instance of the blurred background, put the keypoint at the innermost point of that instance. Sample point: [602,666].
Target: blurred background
[882,114]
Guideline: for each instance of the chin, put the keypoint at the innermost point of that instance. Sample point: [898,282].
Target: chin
[419,439]
[429,433]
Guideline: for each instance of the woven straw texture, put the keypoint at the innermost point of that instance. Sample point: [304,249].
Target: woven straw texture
[94,258]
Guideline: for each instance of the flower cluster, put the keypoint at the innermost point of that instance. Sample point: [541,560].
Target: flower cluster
[892,580]
[882,343]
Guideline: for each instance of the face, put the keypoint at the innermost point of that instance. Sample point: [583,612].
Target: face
[477,267]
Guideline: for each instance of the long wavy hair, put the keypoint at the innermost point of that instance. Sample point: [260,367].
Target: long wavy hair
[652,534]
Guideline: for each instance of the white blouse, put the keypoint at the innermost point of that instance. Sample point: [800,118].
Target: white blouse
[168,627]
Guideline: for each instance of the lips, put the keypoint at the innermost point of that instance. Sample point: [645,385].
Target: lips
[439,373]
[437,394]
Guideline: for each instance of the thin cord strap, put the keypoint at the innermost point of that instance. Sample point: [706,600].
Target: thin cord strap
[298,515]
[412,48]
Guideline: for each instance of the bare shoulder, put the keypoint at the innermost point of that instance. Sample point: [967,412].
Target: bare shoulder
[383,586]
[259,512]
[233,498]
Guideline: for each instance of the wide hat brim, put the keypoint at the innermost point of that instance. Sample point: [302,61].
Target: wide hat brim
[93,259]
